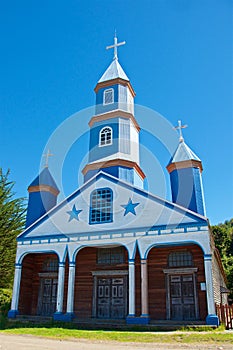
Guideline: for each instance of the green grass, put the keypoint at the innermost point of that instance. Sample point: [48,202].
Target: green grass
[214,336]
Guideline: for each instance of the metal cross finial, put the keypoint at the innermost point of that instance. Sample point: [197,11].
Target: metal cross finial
[47,155]
[180,127]
[115,46]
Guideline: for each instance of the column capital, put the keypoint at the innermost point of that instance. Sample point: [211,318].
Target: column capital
[18,265]
[207,257]
[61,264]
[72,263]
[144,261]
[131,261]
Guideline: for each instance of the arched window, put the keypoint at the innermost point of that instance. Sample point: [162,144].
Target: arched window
[105,136]
[180,259]
[101,206]
[50,265]
[108,96]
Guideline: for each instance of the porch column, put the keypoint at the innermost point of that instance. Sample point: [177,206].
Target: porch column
[212,318]
[144,289]
[60,288]
[70,297]
[131,288]
[16,289]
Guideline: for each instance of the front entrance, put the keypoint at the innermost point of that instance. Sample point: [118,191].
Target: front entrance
[182,297]
[111,297]
[47,296]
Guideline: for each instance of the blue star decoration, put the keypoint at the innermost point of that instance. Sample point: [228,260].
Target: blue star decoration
[130,207]
[74,213]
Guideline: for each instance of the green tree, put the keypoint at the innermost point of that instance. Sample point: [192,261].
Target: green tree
[223,237]
[12,221]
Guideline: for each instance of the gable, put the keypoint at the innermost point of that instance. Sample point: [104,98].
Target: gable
[132,209]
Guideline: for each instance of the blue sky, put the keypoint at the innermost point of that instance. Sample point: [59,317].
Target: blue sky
[178,56]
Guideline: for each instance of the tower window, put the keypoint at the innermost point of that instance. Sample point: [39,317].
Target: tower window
[101,206]
[108,96]
[180,259]
[105,136]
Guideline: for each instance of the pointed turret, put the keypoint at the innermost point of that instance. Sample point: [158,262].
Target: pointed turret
[114,131]
[43,193]
[185,169]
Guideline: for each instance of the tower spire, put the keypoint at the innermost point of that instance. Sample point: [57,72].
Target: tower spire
[180,127]
[115,46]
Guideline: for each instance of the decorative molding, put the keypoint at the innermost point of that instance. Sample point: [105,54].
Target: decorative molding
[114,162]
[110,273]
[48,274]
[43,188]
[180,270]
[114,114]
[184,164]
[114,82]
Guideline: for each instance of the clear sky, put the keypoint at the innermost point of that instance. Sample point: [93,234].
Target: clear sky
[178,56]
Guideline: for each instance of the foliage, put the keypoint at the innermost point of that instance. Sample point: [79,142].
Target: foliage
[223,237]
[12,221]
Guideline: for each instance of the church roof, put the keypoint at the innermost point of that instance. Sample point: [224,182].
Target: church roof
[113,71]
[44,178]
[182,153]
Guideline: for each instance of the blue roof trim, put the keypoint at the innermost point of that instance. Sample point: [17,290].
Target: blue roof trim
[44,178]
[114,180]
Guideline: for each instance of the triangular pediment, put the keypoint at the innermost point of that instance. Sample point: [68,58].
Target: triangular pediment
[133,210]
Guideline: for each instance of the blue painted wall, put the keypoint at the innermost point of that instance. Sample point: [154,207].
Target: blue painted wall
[123,173]
[39,203]
[187,189]
[97,153]
[120,99]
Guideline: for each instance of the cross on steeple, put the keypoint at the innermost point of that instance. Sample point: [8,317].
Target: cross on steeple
[47,155]
[115,46]
[180,127]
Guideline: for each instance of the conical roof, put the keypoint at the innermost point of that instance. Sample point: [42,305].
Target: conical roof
[44,178]
[183,153]
[113,71]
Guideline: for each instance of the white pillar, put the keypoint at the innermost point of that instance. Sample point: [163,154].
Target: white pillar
[60,287]
[144,288]
[209,285]
[131,288]
[16,288]
[71,281]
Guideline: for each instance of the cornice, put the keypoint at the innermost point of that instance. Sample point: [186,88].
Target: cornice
[114,114]
[114,162]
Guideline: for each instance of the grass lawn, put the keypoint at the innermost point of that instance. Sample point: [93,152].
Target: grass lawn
[186,336]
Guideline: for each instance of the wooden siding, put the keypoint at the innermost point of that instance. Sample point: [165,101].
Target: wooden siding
[30,282]
[157,262]
[86,263]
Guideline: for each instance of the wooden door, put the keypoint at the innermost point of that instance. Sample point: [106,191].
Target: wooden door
[182,297]
[111,298]
[47,297]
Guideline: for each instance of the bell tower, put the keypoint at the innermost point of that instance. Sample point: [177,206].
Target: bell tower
[185,169]
[114,131]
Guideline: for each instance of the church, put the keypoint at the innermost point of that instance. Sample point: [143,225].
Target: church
[113,251]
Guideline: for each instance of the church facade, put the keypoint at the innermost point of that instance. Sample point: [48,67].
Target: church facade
[112,250]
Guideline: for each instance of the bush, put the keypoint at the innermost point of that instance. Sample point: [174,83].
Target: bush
[5,301]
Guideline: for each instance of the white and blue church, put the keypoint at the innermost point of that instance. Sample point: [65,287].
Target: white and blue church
[112,251]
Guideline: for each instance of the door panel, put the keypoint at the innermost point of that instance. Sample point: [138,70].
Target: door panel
[111,298]
[182,297]
[47,297]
